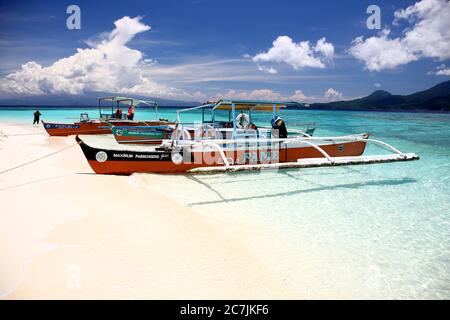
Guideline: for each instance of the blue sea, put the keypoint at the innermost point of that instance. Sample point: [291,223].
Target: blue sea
[376,231]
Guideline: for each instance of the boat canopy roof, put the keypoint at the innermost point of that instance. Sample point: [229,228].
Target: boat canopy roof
[115,100]
[238,105]
[252,105]
[127,100]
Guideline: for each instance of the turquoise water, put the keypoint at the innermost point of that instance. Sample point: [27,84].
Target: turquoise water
[378,231]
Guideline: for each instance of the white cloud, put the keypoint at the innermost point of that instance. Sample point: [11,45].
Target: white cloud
[263,94]
[441,70]
[430,35]
[108,65]
[206,71]
[299,96]
[268,94]
[258,94]
[324,47]
[267,70]
[333,95]
[381,52]
[378,85]
[298,55]
[427,36]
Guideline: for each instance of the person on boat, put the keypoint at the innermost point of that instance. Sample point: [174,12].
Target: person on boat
[37,116]
[279,128]
[130,114]
[243,120]
[118,113]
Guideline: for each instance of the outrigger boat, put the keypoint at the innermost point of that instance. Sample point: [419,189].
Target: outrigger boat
[105,122]
[240,149]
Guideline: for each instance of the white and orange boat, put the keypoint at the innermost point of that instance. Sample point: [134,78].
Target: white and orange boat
[240,147]
[106,121]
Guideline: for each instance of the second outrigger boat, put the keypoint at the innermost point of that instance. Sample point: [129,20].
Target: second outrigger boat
[213,148]
[106,121]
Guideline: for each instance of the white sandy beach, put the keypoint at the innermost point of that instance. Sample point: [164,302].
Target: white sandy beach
[68,233]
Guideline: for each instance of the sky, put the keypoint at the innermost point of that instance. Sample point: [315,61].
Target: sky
[199,50]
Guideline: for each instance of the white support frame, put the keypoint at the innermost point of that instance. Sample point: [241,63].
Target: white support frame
[329,160]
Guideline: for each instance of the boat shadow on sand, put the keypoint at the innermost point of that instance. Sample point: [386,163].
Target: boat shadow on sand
[355,185]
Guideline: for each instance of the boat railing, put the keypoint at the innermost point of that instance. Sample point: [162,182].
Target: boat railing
[216,131]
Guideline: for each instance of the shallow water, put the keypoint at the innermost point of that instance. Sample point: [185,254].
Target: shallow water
[383,230]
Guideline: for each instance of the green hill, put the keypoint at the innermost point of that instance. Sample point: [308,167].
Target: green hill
[436,98]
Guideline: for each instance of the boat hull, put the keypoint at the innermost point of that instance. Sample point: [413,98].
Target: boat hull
[142,135]
[67,129]
[125,162]
[89,127]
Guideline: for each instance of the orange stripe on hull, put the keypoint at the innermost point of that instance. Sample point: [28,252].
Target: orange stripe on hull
[72,132]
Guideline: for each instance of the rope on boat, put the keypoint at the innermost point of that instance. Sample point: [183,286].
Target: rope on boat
[35,160]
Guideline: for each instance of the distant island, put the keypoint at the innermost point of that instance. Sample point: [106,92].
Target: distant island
[434,99]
